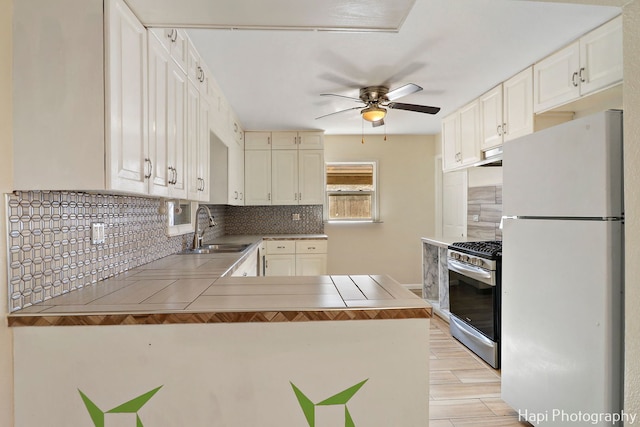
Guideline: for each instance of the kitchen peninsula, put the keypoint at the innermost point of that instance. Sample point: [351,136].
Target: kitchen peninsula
[197,347]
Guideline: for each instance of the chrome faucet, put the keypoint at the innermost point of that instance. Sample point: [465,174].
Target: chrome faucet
[197,236]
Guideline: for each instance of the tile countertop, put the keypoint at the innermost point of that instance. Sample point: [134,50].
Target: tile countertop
[444,242]
[194,289]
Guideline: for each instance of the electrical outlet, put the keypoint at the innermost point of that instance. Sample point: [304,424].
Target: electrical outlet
[476,218]
[295,217]
[97,233]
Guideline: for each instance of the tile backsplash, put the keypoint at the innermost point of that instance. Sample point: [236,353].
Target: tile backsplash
[49,237]
[49,241]
[485,205]
[274,219]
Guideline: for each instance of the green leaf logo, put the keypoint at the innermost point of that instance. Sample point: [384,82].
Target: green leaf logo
[309,408]
[130,407]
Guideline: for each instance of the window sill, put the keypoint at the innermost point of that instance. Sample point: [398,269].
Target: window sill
[353,222]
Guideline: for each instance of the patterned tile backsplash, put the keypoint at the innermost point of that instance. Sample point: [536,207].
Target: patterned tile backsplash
[49,241]
[274,219]
[485,204]
[49,237]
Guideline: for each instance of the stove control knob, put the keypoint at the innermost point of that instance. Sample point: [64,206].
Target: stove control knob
[465,258]
[456,255]
[478,262]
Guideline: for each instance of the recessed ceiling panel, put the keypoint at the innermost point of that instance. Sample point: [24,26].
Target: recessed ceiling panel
[348,15]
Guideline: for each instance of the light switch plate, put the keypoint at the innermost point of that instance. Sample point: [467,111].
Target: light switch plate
[97,233]
[295,217]
[476,218]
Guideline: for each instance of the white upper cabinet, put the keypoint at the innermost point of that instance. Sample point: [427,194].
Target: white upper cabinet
[591,64]
[507,110]
[307,140]
[175,42]
[198,142]
[167,119]
[450,142]
[295,174]
[257,182]
[491,118]
[284,175]
[257,140]
[311,173]
[81,124]
[461,137]
[128,164]
[517,105]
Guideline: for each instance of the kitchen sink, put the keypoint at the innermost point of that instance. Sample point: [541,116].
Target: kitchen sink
[217,248]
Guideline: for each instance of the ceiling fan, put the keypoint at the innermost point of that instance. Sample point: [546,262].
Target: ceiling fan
[375,98]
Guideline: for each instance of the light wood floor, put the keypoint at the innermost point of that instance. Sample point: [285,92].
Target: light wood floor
[465,391]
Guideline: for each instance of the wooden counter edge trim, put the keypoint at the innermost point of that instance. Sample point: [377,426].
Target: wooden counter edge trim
[219,317]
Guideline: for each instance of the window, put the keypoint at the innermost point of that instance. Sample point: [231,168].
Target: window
[351,191]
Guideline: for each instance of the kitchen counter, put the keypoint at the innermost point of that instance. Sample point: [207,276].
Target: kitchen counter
[205,348]
[444,242]
[199,289]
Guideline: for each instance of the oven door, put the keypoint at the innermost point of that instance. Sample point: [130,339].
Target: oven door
[473,297]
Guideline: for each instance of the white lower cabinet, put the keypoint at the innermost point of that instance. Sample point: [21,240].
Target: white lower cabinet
[296,257]
[249,266]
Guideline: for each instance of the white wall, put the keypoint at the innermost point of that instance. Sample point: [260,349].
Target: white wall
[406,175]
[631,23]
[6,165]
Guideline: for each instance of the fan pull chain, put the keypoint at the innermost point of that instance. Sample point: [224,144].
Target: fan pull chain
[362,131]
[385,131]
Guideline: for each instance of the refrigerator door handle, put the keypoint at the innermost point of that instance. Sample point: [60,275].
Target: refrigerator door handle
[505,217]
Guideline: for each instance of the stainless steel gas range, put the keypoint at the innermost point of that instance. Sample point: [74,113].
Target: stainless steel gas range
[474,297]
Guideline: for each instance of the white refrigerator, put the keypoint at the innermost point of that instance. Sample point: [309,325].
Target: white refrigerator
[562,273]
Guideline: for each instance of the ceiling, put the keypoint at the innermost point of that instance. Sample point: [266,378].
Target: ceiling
[454,49]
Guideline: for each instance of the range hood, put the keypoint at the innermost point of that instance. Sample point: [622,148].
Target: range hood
[491,157]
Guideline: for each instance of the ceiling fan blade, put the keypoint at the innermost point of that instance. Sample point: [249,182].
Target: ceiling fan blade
[378,123]
[338,112]
[413,107]
[405,90]
[341,96]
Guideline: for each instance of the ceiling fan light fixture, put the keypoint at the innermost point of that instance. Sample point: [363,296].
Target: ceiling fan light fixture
[373,113]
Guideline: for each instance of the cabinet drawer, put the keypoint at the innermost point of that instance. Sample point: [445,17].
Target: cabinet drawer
[311,246]
[281,247]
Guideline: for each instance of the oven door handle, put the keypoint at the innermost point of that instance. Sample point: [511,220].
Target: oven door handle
[477,273]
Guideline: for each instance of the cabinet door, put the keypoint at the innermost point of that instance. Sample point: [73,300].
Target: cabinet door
[284,173]
[555,79]
[284,140]
[176,129]
[311,264]
[236,176]
[470,133]
[161,173]
[491,118]
[193,120]
[518,105]
[257,177]
[126,93]
[311,177]
[280,265]
[179,48]
[450,144]
[601,57]
[204,142]
[310,140]
[257,140]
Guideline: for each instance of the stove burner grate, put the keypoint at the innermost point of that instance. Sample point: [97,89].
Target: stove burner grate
[491,249]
